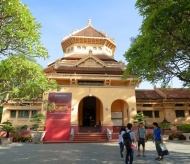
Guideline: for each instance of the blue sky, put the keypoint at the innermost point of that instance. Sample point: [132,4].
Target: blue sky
[119,19]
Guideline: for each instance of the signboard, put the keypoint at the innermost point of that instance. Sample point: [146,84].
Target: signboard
[58,120]
[116,114]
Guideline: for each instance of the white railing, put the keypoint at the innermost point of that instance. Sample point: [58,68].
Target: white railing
[72,134]
[109,135]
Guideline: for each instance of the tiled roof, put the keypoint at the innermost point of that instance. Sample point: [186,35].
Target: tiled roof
[89,32]
[79,56]
[177,93]
[172,95]
[147,94]
[113,70]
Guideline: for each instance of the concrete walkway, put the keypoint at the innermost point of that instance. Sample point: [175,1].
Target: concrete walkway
[87,153]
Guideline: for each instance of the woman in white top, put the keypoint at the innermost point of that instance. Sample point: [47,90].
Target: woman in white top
[120,140]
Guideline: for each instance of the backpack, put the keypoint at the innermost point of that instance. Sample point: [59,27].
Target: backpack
[127,141]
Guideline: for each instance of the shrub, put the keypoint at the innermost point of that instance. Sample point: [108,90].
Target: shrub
[149,136]
[182,137]
[175,135]
[170,137]
[38,120]
[185,127]
[24,127]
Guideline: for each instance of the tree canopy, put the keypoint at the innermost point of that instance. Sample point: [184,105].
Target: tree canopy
[161,51]
[20,76]
[20,33]
[22,79]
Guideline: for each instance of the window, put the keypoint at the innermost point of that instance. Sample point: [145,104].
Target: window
[99,48]
[91,83]
[34,112]
[148,113]
[180,113]
[79,47]
[156,114]
[94,48]
[23,114]
[13,114]
[83,47]
[178,104]
[147,105]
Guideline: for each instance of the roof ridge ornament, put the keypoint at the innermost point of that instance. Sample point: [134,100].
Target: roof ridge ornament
[89,23]
[90,52]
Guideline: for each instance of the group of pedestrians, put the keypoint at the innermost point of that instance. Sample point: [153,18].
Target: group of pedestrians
[138,138]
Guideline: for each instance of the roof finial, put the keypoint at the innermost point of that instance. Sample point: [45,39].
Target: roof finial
[90,52]
[89,22]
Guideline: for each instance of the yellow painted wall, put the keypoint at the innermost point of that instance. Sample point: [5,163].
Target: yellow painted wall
[19,121]
[107,95]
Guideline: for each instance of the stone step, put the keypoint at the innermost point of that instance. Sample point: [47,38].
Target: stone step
[90,137]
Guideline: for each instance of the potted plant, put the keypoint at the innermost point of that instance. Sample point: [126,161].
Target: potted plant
[8,128]
[139,118]
[170,137]
[181,137]
[175,136]
[186,130]
[38,133]
[165,125]
[150,137]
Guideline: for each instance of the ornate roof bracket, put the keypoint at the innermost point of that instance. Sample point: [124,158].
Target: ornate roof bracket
[73,82]
[107,82]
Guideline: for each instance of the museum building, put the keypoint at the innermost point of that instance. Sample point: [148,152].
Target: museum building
[92,90]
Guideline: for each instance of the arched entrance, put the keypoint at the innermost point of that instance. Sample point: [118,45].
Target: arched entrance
[90,112]
[119,113]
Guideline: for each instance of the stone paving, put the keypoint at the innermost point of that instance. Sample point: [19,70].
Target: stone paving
[87,153]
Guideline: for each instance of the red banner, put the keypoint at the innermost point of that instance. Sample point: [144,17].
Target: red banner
[58,120]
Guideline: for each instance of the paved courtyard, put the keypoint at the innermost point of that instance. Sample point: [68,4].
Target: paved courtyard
[87,153]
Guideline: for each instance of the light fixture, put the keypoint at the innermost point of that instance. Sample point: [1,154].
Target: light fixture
[90,92]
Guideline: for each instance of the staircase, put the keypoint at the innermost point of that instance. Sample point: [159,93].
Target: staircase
[90,138]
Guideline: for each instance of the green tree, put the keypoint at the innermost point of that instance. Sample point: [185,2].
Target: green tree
[22,79]
[164,126]
[8,128]
[38,120]
[161,51]
[20,33]
[139,118]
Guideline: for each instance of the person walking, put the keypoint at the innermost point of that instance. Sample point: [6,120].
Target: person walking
[158,139]
[130,149]
[141,138]
[120,141]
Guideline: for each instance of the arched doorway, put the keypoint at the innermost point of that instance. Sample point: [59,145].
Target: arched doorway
[119,113]
[90,112]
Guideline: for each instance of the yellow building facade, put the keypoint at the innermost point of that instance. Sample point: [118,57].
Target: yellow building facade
[90,73]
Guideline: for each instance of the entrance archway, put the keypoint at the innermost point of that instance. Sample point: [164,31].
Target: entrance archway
[90,111]
[119,112]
